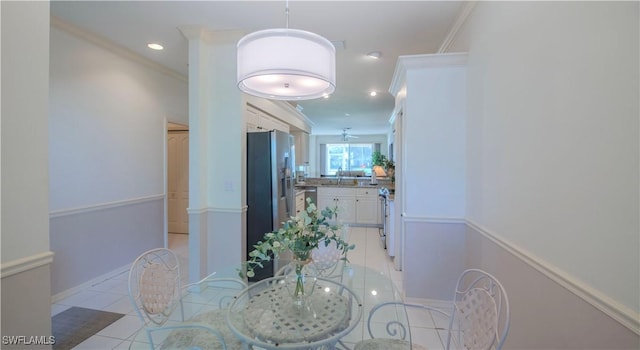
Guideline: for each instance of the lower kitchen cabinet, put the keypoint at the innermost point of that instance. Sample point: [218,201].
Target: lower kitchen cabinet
[355,205]
[343,198]
[368,206]
[301,205]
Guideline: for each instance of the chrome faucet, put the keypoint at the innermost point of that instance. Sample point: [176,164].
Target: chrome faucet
[339,174]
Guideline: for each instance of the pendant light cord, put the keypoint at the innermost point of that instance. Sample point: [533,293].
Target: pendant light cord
[286,13]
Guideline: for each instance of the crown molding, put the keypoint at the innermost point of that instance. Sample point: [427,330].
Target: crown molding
[410,62]
[466,10]
[115,48]
[199,32]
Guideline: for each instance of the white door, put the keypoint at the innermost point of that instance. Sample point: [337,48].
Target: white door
[178,181]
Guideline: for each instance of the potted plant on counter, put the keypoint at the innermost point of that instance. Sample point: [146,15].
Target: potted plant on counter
[383,163]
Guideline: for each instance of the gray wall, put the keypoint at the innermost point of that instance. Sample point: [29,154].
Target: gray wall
[545,314]
[553,153]
[552,173]
[553,163]
[107,130]
[96,242]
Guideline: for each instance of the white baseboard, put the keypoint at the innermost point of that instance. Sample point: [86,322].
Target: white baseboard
[438,304]
[57,297]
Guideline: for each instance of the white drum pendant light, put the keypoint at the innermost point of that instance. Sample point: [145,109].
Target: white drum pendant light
[286,64]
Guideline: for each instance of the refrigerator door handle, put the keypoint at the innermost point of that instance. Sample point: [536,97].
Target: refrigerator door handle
[285,185]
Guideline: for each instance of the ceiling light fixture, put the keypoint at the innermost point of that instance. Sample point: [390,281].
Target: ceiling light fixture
[374,54]
[155,46]
[373,93]
[286,64]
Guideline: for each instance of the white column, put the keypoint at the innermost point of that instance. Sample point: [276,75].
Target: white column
[26,259]
[216,152]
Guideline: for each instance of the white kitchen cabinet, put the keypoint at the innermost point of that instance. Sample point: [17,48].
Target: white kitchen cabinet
[343,198]
[359,206]
[302,147]
[251,115]
[368,206]
[300,203]
[259,121]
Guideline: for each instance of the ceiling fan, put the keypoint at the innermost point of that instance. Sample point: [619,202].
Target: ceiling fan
[346,136]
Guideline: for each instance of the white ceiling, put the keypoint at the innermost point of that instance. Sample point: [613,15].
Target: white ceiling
[393,27]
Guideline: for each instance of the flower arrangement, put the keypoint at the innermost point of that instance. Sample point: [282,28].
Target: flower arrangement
[300,235]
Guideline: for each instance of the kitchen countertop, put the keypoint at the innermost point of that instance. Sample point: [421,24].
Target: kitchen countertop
[346,182]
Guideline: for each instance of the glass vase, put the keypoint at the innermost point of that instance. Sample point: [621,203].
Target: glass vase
[300,278]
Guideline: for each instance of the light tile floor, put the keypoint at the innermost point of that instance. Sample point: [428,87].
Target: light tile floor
[112,295]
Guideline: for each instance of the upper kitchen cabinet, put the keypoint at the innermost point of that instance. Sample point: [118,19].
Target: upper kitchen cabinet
[260,121]
[262,115]
[302,147]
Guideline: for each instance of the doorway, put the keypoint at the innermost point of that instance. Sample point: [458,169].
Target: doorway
[177,178]
[177,199]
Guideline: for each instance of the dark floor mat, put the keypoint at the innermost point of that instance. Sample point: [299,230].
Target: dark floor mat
[75,325]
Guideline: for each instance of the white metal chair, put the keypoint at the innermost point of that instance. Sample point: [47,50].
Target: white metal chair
[479,317]
[156,292]
[328,259]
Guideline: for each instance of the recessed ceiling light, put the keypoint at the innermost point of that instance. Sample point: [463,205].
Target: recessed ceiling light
[374,54]
[373,93]
[155,46]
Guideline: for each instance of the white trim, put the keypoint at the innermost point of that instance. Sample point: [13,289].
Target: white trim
[26,263]
[433,220]
[57,297]
[439,304]
[165,181]
[204,210]
[408,62]
[453,32]
[103,206]
[227,210]
[115,48]
[621,313]
[197,211]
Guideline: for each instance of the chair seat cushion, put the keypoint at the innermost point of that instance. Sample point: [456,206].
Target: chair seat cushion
[387,344]
[200,339]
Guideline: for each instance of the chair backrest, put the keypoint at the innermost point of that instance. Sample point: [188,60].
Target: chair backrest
[154,285]
[480,318]
[327,258]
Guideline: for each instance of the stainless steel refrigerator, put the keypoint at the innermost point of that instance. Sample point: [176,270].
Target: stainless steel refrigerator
[270,179]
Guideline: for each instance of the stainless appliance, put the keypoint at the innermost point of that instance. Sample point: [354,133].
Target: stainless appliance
[383,195]
[311,192]
[270,193]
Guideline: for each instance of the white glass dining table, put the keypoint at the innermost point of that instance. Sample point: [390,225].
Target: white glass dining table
[264,315]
